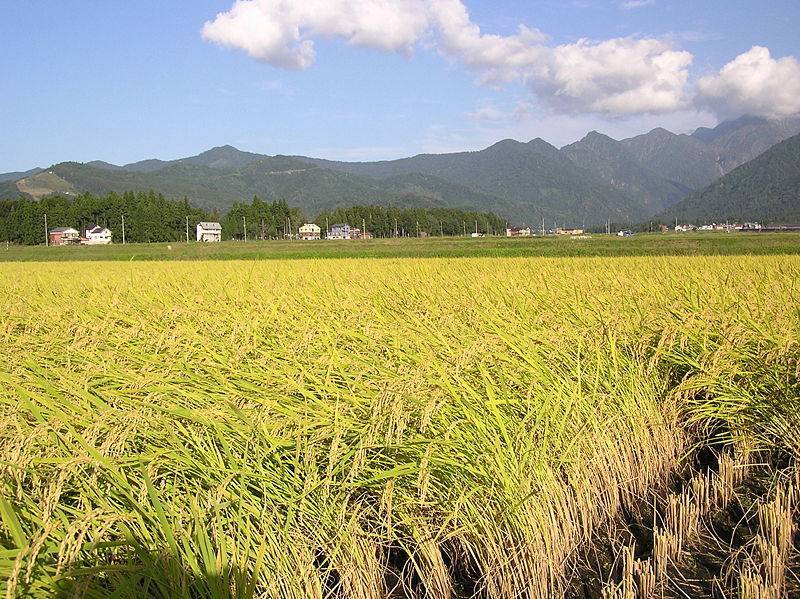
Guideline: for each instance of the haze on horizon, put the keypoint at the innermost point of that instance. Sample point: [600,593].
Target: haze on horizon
[378,79]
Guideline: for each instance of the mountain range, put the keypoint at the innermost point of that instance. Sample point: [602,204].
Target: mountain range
[583,183]
[766,189]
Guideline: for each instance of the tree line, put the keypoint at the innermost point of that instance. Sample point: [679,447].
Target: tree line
[261,220]
[151,217]
[391,221]
[148,216]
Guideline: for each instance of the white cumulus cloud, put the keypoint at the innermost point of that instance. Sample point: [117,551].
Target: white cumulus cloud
[618,76]
[753,83]
[615,77]
[282,32]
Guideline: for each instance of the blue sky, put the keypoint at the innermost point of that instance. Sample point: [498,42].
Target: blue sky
[123,81]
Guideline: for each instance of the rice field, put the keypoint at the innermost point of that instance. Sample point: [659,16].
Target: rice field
[617,428]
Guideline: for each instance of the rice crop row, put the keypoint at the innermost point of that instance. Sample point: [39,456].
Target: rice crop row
[363,429]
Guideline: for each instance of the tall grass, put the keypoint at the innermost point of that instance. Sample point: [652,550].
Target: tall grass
[358,429]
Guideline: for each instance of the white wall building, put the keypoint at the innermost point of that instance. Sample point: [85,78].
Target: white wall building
[209,232]
[310,231]
[339,231]
[518,232]
[96,235]
[64,236]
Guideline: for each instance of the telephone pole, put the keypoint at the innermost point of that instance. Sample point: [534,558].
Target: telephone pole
[46,232]
[123,229]
[244,226]
[187,229]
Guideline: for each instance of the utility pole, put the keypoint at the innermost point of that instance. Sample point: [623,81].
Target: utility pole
[395,227]
[244,226]
[464,224]
[441,229]
[327,230]
[187,229]
[417,228]
[363,228]
[123,229]
[289,219]
[476,227]
[46,232]
[542,226]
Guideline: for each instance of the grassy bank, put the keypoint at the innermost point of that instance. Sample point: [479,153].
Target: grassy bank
[516,427]
[672,244]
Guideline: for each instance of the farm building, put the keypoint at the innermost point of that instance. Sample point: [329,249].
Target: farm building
[518,232]
[339,231]
[96,235]
[561,231]
[64,236]
[210,232]
[310,231]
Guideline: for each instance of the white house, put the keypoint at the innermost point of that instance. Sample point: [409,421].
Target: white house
[518,232]
[96,235]
[339,231]
[310,231]
[64,236]
[209,232]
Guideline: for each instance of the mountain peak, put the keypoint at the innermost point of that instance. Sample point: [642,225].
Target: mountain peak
[542,145]
[661,132]
[226,149]
[223,157]
[506,143]
[595,137]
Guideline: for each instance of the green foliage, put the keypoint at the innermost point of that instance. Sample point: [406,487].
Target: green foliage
[264,220]
[385,221]
[149,216]
[553,246]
